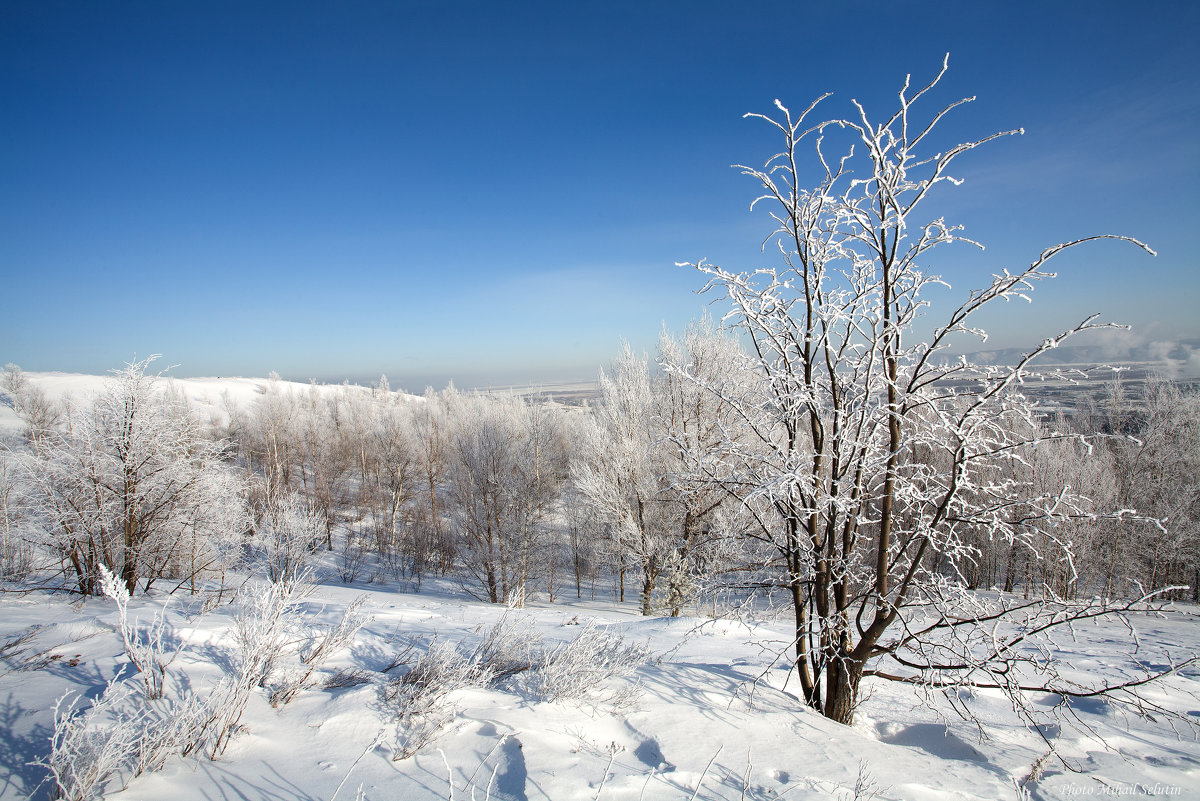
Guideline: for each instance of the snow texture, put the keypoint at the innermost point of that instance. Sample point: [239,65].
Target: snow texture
[712,713]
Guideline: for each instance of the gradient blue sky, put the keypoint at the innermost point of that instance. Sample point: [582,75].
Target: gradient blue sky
[498,192]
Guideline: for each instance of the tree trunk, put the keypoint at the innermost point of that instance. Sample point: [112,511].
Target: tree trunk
[841,698]
[650,572]
[647,591]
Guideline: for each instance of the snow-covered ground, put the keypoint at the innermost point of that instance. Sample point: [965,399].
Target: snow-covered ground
[701,720]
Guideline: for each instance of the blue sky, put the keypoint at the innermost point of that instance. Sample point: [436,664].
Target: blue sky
[498,192]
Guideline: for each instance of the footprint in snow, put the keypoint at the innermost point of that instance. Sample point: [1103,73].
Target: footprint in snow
[650,754]
[511,773]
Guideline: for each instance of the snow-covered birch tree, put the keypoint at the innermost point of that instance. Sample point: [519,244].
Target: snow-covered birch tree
[621,470]
[869,456]
[1156,455]
[40,414]
[693,421]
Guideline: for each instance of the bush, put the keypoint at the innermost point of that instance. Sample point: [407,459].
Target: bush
[148,653]
[119,738]
[510,647]
[511,650]
[578,670]
[318,650]
[420,695]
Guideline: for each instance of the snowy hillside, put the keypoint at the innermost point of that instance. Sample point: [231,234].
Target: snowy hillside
[209,397]
[712,719]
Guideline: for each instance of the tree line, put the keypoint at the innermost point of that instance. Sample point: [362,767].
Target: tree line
[516,495]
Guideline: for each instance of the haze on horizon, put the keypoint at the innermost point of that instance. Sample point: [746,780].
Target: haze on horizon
[499,194]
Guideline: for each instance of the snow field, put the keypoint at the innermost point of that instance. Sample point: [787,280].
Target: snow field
[712,714]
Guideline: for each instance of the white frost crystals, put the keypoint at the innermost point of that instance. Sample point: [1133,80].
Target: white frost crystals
[871,464]
[132,481]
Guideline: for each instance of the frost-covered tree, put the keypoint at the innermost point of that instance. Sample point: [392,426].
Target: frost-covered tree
[327,453]
[131,481]
[585,533]
[506,469]
[18,527]
[1155,451]
[431,433]
[285,540]
[40,414]
[871,457]
[695,421]
[621,471]
[390,467]
[641,457]
[270,435]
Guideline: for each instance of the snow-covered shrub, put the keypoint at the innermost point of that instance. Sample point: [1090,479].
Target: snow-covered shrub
[511,650]
[337,637]
[318,649]
[224,714]
[420,695]
[439,671]
[421,721]
[146,650]
[263,628]
[170,727]
[263,633]
[118,738]
[86,753]
[510,647]
[578,670]
[353,677]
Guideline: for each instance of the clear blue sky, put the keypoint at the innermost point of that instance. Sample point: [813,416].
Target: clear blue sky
[498,192]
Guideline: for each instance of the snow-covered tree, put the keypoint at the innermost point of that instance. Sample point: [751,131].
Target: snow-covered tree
[431,433]
[621,471]
[131,482]
[40,414]
[641,453]
[391,466]
[695,421]
[326,453]
[18,527]
[270,435]
[285,540]
[506,468]
[1155,450]
[871,457]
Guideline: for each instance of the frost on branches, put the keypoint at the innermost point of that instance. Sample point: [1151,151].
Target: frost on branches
[870,459]
[635,469]
[132,481]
